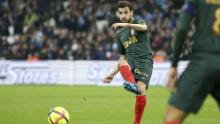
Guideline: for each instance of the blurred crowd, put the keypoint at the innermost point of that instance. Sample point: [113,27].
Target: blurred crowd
[78,29]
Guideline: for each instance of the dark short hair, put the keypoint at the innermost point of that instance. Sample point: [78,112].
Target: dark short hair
[123,4]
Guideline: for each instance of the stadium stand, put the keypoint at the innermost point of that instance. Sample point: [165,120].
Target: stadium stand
[72,30]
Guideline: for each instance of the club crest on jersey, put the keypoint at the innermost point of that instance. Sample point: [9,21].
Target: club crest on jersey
[132,31]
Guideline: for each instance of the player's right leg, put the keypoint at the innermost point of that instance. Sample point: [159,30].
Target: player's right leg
[129,84]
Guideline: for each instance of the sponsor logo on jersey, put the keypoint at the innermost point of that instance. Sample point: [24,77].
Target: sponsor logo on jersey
[213,1]
[131,40]
[143,75]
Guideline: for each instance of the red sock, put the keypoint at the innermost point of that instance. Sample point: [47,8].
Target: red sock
[173,122]
[126,73]
[139,108]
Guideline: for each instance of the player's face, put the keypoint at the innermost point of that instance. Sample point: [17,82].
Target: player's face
[124,14]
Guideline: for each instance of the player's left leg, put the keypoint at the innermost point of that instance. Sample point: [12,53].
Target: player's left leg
[192,89]
[174,115]
[142,72]
[140,103]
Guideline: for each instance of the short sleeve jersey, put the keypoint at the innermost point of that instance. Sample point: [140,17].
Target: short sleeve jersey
[135,45]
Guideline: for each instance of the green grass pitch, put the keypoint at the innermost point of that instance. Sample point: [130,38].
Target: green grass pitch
[89,105]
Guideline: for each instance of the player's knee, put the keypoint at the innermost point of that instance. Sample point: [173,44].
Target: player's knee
[123,62]
[172,122]
[174,115]
[142,86]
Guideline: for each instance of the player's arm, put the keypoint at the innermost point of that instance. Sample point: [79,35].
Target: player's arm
[140,26]
[186,17]
[115,70]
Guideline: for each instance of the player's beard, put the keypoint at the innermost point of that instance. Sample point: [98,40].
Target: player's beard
[124,20]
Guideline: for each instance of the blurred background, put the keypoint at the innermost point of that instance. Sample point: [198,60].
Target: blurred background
[79,30]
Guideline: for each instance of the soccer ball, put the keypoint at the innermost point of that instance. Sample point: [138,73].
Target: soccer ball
[58,115]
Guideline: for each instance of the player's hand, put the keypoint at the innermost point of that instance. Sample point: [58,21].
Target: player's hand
[119,25]
[171,81]
[108,79]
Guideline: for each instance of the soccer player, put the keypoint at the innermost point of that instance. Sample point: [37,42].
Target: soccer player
[135,63]
[201,77]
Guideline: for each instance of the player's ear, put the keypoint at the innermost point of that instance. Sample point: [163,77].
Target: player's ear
[132,12]
[117,14]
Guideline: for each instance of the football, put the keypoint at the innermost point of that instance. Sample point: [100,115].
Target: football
[58,115]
